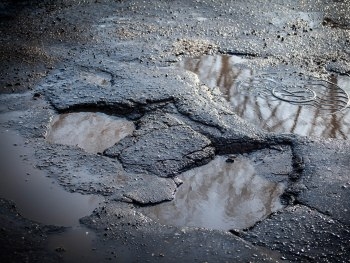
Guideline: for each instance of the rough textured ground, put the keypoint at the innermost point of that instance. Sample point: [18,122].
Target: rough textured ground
[23,240]
[118,57]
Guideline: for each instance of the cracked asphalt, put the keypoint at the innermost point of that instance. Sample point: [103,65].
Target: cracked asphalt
[120,58]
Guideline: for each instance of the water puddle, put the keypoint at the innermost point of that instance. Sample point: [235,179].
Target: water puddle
[92,131]
[278,103]
[75,245]
[220,195]
[41,199]
[37,197]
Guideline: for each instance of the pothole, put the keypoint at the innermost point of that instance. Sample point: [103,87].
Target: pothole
[220,195]
[38,197]
[92,131]
[277,101]
[326,96]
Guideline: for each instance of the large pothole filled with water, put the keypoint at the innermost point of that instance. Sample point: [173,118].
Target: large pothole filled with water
[39,198]
[224,194]
[280,102]
[92,131]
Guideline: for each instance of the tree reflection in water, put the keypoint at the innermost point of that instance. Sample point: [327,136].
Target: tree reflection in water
[220,195]
[255,102]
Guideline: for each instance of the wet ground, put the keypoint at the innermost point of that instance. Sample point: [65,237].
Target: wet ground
[205,131]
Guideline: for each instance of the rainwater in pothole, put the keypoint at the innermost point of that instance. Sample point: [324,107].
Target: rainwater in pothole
[37,197]
[41,199]
[278,101]
[220,195]
[92,131]
[74,245]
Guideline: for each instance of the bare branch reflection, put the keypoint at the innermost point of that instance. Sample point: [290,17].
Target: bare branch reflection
[320,117]
[221,195]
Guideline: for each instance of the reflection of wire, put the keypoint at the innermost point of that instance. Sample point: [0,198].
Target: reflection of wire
[326,98]
[293,96]
[341,95]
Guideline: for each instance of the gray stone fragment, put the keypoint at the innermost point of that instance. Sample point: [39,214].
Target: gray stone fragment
[151,189]
[326,177]
[274,163]
[128,87]
[165,149]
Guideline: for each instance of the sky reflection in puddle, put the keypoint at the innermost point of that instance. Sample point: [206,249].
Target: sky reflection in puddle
[220,195]
[41,199]
[92,131]
[260,107]
[37,197]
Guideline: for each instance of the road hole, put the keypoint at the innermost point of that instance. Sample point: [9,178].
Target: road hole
[220,195]
[41,199]
[92,131]
[278,101]
[38,197]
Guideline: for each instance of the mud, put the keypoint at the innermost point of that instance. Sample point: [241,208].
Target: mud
[121,59]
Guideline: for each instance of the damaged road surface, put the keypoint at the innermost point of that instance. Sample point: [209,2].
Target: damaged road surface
[175,131]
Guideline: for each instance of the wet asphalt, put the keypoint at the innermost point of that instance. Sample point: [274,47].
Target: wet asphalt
[125,59]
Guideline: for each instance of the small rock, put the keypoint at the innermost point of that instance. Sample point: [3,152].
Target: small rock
[178,181]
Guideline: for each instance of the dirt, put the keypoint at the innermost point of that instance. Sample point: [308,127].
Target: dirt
[125,60]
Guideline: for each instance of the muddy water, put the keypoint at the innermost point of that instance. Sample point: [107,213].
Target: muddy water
[309,108]
[75,245]
[41,199]
[220,195]
[37,197]
[94,132]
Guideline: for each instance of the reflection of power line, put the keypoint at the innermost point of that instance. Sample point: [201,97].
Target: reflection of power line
[325,96]
[277,101]
[310,91]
